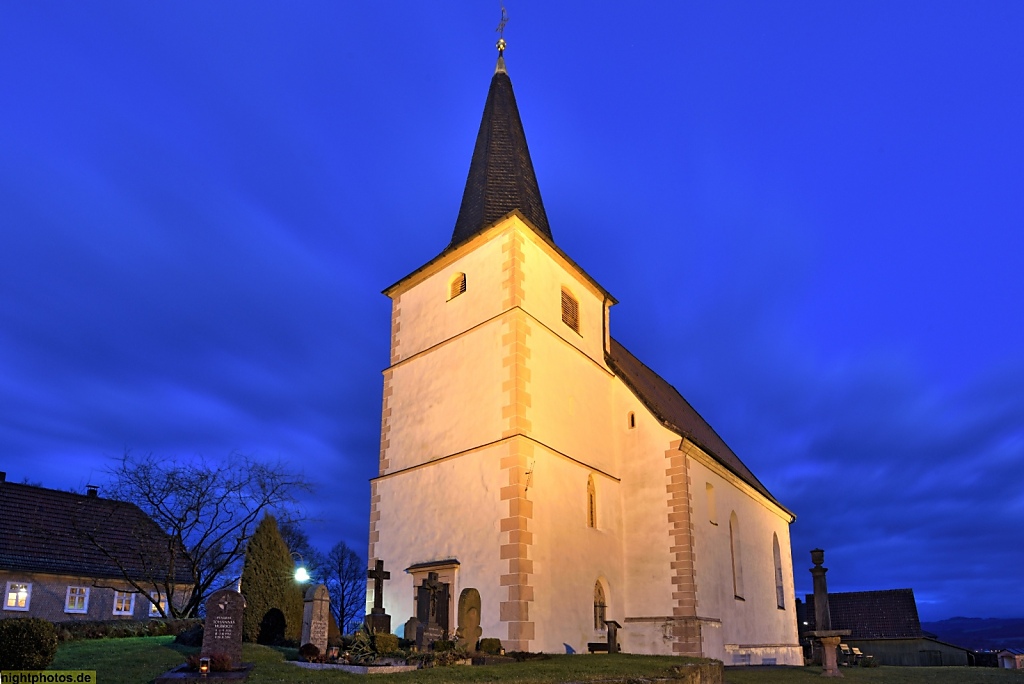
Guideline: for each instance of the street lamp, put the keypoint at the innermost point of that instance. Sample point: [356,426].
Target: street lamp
[301,575]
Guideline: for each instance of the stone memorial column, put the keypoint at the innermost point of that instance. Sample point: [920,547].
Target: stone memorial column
[316,614]
[828,638]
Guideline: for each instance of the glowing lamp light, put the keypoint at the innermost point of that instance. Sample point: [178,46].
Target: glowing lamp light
[204,666]
[301,575]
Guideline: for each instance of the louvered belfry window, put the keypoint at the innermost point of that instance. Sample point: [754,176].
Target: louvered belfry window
[458,285]
[570,311]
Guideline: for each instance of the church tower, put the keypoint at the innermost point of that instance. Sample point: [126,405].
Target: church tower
[527,455]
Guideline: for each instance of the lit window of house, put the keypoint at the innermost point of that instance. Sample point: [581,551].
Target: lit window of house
[18,596]
[77,600]
[159,607]
[124,603]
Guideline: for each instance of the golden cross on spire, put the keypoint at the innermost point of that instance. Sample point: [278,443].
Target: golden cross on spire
[501,30]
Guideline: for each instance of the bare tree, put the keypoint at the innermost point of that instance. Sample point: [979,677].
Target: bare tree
[345,578]
[208,511]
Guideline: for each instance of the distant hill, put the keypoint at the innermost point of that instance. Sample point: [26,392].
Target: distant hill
[979,633]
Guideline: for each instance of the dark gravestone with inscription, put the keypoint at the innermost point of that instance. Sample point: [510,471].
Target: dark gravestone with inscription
[222,633]
[315,616]
[431,611]
[377,620]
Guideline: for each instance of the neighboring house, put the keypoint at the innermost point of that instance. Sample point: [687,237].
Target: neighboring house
[65,556]
[1012,659]
[528,455]
[885,625]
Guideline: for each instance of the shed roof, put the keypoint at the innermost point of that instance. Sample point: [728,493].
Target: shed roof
[885,614]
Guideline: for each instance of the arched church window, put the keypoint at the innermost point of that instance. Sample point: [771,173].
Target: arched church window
[709,490]
[591,503]
[570,311]
[600,606]
[458,286]
[780,593]
[737,561]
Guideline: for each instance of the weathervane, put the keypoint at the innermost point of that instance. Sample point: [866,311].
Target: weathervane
[501,30]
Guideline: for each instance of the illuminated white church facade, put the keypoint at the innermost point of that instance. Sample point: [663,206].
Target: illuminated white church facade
[527,454]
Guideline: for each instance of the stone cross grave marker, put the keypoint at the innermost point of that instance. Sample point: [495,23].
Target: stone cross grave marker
[431,611]
[378,620]
[222,631]
[469,619]
[316,613]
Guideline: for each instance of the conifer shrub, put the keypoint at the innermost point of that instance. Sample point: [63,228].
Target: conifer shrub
[273,599]
[27,644]
[385,643]
[490,646]
[310,653]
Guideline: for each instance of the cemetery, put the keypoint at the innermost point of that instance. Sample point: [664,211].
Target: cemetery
[430,640]
[434,647]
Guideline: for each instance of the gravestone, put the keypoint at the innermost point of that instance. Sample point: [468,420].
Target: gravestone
[377,620]
[431,611]
[315,616]
[222,631]
[411,625]
[469,631]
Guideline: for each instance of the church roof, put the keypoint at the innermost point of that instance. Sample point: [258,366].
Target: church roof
[669,406]
[886,614]
[501,177]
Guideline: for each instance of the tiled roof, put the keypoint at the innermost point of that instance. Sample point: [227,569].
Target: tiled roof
[501,177]
[49,531]
[669,406]
[886,614]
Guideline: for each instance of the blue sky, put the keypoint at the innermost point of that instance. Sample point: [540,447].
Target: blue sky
[811,214]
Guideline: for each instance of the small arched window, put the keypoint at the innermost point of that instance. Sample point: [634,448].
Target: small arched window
[570,311]
[631,420]
[591,503]
[712,508]
[457,287]
[780,592]
[600,606]
[737,561]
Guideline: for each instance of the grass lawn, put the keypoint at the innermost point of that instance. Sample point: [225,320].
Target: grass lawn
[874,675]
[140,660]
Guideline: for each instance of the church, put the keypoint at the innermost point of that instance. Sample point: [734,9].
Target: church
[526,454]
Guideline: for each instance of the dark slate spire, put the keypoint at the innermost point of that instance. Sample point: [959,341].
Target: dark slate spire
[501,177]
